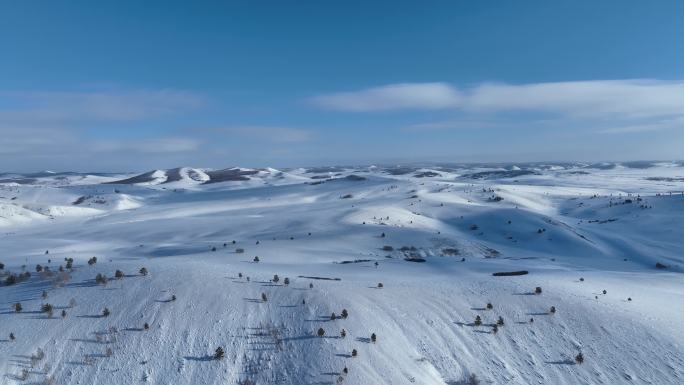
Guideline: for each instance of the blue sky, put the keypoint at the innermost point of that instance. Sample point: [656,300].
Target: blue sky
[132,85]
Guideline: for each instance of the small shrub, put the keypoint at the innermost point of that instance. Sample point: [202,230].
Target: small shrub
[46,308]
[101,279]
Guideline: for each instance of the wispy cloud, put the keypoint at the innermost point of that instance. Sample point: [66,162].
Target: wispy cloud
[606,106]
[393,97]
[265,133]
[41,107]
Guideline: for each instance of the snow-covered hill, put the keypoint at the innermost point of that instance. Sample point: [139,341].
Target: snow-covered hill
[433,235]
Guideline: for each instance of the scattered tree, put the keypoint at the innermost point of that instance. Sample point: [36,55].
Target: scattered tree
[92,261]
[354,353]
[101,279]
[380,285]
[263,297]
[579,358]
[490,306]
[605,292]
[146,326]
[500,321]
[45,294]
[12,337]
[495,329]
[552,310]
[478,321]
[17,307]
[64,313]
[106,312]
[321,332]
[239,275]
[275,278]
[39,268]
[173,297]
[143,271]
[343,333]
[219,353]
[118,274]
[286,281]
[256,259]
[311,286]
[374,337]
[345,314]
[333,316]
[538,290]
[72,302]
[47,308]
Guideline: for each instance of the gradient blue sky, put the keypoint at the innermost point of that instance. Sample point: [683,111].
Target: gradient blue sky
[133,85]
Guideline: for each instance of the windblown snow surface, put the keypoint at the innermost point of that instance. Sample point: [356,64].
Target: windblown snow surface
[433,236]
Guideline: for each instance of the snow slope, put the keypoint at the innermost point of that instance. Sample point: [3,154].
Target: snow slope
[343,233]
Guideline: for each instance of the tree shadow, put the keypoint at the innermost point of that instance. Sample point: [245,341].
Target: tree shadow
[253,300]
[528,293]
[363,339]
[478,308]
[482,331]
[546,313]
[199,358]
[566,361]
[134,329]
[90,316]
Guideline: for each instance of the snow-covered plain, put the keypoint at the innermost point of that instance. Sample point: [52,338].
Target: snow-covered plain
[609,224]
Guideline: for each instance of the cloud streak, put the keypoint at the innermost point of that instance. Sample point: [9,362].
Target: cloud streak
[427,96]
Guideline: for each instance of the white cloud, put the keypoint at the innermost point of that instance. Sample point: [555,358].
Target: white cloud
[51,107]
[606,106]
[149,146]
[625,98]
[393,97]
[266,133]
